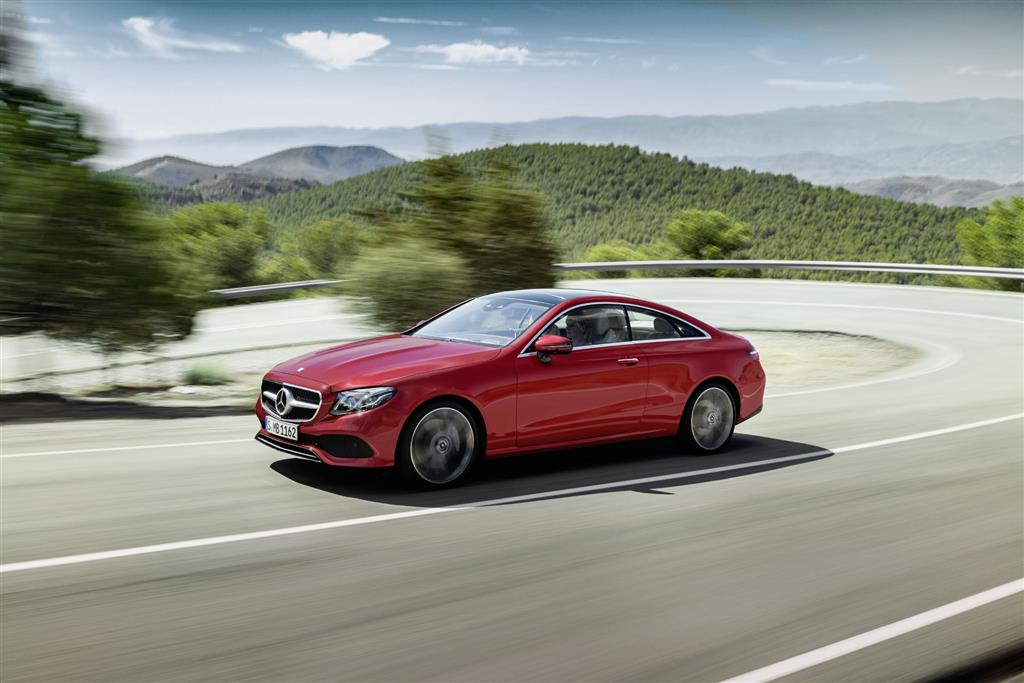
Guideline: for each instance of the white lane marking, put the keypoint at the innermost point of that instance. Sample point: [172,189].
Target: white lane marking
[949,358]
[878,635]
[359,521]
[899,309]
[928,434]
[218,540]
[4,456]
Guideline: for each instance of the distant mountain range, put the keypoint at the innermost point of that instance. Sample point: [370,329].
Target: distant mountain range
[302,166]
[1000,161]
[938,191]
[966,138]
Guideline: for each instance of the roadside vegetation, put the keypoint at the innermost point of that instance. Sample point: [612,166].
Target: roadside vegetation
[86,257]
[995,240]
[82,258]
[601,194]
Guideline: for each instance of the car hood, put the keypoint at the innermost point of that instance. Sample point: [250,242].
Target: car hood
[382,361]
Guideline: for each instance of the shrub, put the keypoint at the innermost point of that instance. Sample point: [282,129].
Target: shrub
[206,375]
[998,241]
[403,283]
[617,250]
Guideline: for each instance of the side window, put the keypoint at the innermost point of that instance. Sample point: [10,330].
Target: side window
[592,325]
[647,325]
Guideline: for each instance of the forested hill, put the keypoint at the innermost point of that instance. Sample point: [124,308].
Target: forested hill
[598,194]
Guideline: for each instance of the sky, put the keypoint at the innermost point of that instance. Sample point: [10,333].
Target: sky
[150,69]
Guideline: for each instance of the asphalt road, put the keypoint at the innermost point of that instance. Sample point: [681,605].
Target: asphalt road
[907,495]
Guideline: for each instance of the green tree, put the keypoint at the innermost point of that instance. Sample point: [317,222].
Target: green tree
[486,224]
[321,249]
[400,284]
[498,227]
[616,250]
[996,241]
[222,242]
[80,257]
[705,236]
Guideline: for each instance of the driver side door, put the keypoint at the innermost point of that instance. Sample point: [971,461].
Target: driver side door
[597,390]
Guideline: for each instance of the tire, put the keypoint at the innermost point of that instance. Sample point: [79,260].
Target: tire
[709,419]
[439,445]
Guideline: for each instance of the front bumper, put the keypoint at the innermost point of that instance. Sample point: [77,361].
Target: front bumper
[364,440]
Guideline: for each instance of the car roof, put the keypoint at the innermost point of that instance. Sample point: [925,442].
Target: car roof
[554,296]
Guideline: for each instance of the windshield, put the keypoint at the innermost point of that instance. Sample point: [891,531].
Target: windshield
[494,320]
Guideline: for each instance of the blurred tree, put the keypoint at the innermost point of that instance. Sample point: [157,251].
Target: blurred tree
[997,241]
[222,242]
[322,249]
[495,228]
[705,236]
[80,257]
[327,245]
[512,248]
[402,283]
[616,250]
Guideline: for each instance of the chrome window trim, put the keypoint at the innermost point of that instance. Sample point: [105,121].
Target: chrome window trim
[299,404]
[524,353]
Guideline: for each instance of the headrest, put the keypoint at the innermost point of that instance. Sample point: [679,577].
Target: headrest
[663,326]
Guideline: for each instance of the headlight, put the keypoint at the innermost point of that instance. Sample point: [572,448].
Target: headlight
[358,400]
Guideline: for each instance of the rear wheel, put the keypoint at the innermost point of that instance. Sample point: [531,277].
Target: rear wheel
[438,446]
[709,419]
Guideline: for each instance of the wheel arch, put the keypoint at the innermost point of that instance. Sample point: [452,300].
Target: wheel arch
[471,408]
[734,393]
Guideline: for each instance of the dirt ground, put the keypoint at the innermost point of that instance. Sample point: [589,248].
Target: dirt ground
[811,359]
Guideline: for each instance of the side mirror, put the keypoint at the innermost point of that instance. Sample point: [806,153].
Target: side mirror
[549,344]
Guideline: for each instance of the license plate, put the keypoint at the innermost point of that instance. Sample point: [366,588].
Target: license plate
[286,430]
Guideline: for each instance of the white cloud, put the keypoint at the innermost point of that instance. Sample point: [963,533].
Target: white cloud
[971,70]
[437,67]
[422,22]
[335,50]
[649,63]
[827,86]
[766,54]
[477,52]
[604,41]
[255,29]
[856,59]
[111,51]
[43,21]
[500,30]
[50,44]
[160,37]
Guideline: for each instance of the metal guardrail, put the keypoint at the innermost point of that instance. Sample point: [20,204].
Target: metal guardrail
[259,290]
[918,268]
[914,268]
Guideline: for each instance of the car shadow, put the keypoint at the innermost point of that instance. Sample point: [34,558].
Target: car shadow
[566,473]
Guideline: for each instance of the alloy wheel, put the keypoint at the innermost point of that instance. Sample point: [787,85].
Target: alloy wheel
[442,445]
[712,417]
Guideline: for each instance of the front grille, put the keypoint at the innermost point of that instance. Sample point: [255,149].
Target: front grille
[297,413]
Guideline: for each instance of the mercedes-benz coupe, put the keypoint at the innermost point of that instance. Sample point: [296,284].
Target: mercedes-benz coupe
[513,372]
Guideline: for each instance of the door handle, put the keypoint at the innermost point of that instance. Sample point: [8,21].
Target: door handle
[628,361]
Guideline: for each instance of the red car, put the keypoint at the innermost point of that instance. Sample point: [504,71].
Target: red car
[512,372]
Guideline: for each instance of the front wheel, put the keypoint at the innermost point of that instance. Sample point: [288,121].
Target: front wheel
[709,419]
[438,445]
